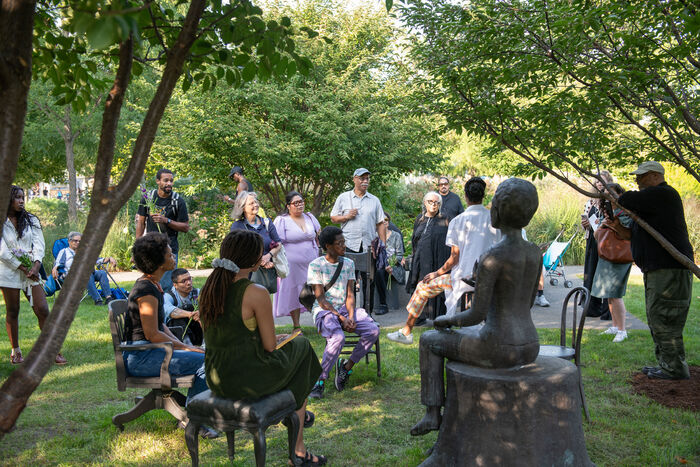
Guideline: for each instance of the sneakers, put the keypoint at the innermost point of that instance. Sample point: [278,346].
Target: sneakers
[611,330]
[398,336]
[317,391]
[620,336]
[341,374]
[99,303]
[541,300]
[16,358]
[60,359]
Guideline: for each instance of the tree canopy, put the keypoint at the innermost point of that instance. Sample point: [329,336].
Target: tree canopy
[570,87]
[311,132]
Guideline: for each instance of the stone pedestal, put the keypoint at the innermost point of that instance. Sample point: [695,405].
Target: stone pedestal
[521,416]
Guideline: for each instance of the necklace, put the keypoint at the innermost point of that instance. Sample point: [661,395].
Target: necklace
[150,278]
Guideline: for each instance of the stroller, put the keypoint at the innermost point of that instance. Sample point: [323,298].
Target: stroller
[553,260]
[51,285]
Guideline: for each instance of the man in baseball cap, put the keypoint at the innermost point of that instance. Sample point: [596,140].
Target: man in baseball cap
[667,283]
[242,183]
[361,218]
[648,166]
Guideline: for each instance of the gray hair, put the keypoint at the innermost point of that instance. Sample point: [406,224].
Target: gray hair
[72,235]
[425,198]
[239,204]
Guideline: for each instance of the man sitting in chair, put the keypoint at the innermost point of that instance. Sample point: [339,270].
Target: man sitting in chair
[64,261]
[181,308]
[334,310]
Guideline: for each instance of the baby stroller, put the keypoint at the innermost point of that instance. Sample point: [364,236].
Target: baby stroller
[553,260]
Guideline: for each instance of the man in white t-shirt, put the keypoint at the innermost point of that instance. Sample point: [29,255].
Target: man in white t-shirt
[469,235]
[334,310]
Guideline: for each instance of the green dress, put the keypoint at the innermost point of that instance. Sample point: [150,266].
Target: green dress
[237,365]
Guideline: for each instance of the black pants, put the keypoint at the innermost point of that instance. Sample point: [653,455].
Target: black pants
[368,304]
[597,306]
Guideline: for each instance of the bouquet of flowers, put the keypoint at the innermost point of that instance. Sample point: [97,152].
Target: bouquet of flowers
[23,257]
[195,303]
[392,263]
[150,204]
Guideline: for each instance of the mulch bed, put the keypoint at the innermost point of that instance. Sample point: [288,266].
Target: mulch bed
[681,394]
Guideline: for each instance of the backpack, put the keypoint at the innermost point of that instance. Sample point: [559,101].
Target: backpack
[174,197]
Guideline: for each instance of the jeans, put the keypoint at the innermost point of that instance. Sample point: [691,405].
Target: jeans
[145,363]
[98,276]
[166,282]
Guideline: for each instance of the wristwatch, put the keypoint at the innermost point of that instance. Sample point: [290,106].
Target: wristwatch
[168,221]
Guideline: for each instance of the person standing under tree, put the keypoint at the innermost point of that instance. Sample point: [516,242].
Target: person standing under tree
[361,218]
[667,283]
[451,205]
[169,216]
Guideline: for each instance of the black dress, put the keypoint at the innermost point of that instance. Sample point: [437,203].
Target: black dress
[429,253]
[597,306]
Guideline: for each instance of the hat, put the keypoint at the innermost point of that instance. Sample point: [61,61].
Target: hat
[360,172]
[648,166]
[236,170]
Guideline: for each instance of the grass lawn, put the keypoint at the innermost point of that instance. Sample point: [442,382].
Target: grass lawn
[68,419]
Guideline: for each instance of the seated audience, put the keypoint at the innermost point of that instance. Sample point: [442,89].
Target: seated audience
[334,310]
[64,261]
[145,320]
[242,358]
[181,307]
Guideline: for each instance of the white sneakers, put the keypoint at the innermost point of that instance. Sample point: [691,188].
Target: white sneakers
[398,336]
[620,336]
[540,300]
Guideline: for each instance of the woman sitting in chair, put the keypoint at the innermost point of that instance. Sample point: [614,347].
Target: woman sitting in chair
[242,360]
[145,318]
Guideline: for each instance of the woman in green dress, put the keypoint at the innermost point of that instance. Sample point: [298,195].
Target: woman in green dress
[241,358]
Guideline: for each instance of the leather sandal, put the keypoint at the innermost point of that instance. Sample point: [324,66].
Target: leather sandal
[16,358]
[309,418]
[308,460]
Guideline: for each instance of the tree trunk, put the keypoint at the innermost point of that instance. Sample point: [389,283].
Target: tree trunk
[16,29]
[105,204]
[69,138]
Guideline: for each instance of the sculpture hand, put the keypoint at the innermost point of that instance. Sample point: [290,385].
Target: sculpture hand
[442,322]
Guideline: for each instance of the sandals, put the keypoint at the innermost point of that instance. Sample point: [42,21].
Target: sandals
[16,358]
[308,460]
[309,419]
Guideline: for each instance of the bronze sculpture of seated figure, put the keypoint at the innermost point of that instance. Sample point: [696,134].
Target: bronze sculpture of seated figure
[506,285]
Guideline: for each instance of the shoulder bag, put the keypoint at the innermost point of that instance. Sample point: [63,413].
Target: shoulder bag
[611,247]
[307,296]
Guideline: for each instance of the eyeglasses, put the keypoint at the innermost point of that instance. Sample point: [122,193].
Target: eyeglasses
[74,241]
[297,203]
[433,202]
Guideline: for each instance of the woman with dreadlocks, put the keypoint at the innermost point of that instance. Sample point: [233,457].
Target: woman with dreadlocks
[21,252]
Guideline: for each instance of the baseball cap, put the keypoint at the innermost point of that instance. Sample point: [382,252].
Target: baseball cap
[360,172]
[648,166]
[236,170]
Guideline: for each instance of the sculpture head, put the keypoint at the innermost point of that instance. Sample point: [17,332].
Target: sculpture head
[514,204]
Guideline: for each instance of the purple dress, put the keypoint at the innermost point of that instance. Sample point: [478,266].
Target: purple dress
[301,249]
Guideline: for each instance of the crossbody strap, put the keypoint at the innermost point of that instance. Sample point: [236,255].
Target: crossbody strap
[335,274]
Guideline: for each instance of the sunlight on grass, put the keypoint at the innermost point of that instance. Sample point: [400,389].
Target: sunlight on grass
[68,419]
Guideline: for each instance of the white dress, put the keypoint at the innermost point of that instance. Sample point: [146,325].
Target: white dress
[32,241]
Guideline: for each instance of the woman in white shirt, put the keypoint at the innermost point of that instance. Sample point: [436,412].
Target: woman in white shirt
[21,238]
